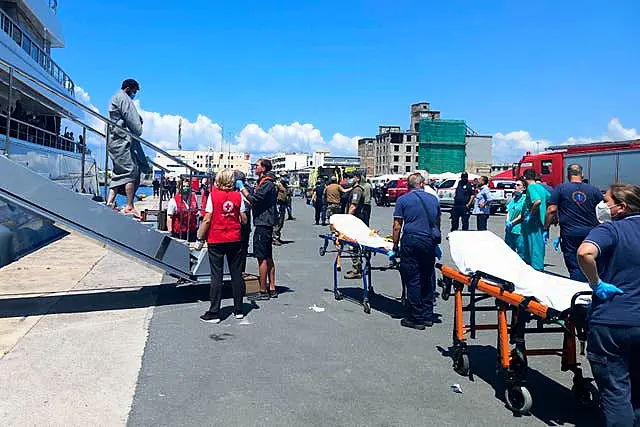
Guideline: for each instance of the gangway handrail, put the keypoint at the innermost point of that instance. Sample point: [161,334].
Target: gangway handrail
[98,116]
[53,135]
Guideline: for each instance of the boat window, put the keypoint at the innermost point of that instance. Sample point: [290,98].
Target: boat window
[17,35]
[26,45]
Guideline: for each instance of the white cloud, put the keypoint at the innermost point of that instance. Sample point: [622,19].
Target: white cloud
[294,137]
[509,147]
[162,130]
[616,131]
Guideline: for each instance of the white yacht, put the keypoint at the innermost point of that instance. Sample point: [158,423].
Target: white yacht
[29,32]
[36,137]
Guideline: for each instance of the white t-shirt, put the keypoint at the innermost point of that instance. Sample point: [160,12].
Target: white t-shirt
[172,207]
[209,208]
[428,189]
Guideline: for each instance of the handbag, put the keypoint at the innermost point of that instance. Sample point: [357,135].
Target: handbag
[436,235]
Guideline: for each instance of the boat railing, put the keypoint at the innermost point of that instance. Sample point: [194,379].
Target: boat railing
[91,116]
[35,52]
[36,135]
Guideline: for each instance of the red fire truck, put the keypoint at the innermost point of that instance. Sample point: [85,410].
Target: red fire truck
[603,163]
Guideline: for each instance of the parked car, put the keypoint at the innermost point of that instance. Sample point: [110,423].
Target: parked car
[396,190]
[501,191]
[447,191]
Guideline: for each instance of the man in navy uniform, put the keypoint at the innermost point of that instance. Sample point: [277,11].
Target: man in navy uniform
[573,205]
[419,213]
[462,203]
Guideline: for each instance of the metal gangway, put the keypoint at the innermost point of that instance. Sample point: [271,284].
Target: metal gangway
[35,193]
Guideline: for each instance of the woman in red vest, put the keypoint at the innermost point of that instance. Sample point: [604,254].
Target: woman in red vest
[221,228]
[182,213]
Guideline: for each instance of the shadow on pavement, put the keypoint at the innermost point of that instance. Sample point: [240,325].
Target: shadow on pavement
[390,306]
[553,403]
[147,296]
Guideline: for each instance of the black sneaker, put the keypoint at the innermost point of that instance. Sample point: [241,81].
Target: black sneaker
[263,296]
[210,317]
[410,324]
[273,294]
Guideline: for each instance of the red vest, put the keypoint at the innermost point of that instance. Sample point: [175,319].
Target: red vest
[225,218]
[203,200]
[181,218]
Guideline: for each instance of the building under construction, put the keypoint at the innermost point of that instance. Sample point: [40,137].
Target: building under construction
[431,144]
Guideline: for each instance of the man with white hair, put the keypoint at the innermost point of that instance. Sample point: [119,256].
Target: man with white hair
[417,218]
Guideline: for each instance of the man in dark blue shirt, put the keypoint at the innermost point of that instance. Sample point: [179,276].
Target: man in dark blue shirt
[417,215]
[573,206]
[462,203]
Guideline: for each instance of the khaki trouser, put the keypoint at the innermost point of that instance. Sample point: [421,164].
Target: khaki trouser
[277,230]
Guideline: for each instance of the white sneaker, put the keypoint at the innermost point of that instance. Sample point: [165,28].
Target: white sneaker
[240,316]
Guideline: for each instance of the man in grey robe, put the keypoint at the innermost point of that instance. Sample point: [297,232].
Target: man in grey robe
[126,153]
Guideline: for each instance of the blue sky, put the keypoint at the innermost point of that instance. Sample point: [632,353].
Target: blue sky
[523,71]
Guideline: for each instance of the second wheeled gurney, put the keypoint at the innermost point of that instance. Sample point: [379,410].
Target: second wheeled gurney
[353,239]
[491,270]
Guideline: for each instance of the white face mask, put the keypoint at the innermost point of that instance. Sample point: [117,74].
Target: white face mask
[603,212]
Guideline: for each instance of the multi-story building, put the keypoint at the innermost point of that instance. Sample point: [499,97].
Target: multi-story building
[419,111]
[367,154]
[478,154]
[286,162]
[205,161]
[396,151]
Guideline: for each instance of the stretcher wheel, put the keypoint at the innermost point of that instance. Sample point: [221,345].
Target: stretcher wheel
[518,399]
[461,364]
[587,394]
[337,295]
[322,251]
[367,307]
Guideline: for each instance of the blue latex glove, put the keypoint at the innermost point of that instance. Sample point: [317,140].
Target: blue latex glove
[605,291]
[545,237]
[311,203]
[508,225]
[391,255]
[239,184]
[438,252]
[556,244]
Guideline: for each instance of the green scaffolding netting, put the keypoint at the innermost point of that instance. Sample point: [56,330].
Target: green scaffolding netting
[440,158]
[450,131]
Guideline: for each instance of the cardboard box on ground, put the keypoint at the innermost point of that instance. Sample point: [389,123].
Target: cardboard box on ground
[251,283]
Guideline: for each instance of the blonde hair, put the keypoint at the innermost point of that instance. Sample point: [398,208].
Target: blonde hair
[224,180]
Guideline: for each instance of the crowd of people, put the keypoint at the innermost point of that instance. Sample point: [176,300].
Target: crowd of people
[40,129]
[164,188]
[599,238]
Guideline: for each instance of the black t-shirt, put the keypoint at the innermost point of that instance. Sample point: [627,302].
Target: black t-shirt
[463,193]
[576,203]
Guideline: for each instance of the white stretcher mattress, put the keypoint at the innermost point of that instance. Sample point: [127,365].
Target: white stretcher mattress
[484,251]
[356,230]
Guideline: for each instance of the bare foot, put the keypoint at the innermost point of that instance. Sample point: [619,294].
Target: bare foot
[133,212]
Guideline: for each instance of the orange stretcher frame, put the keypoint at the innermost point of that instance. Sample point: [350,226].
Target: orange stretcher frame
[512,362]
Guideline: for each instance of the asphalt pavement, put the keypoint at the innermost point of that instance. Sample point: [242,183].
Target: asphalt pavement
[287,364]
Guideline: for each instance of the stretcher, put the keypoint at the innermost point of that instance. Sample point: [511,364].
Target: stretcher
[353,239]
[489,269]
